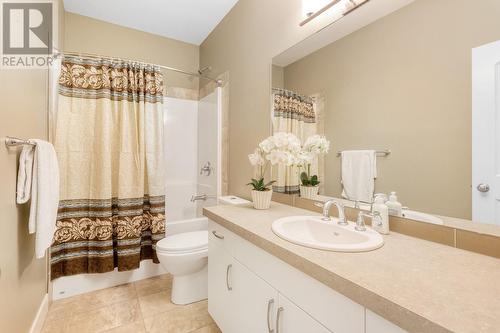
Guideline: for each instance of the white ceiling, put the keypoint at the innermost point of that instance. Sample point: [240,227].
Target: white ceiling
[190,21]
[361,17]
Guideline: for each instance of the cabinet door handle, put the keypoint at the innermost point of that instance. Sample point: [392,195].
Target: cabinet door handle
[269,306]
[278,317]
[227,277]
[217,235]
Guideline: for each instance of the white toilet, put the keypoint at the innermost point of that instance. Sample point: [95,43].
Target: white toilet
[185,256]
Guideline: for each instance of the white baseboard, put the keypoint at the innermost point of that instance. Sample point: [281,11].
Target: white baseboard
[41,314]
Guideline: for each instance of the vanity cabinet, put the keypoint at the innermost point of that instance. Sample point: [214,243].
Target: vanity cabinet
[292,319]
[238,298]
[250,291]
[242,302]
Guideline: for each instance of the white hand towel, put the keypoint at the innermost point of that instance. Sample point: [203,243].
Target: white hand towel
[44,196]
[359,170]
[24,174]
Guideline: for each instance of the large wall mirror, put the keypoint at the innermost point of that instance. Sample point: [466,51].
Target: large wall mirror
[417,96]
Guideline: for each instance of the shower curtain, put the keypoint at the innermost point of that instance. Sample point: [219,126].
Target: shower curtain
[108,137]
[292,113]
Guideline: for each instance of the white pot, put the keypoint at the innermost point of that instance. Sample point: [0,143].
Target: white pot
[309,192]
[262,199]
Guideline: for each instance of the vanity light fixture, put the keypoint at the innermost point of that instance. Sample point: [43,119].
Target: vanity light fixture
[344,7]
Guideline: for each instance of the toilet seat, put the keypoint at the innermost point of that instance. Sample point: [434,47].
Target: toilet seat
[187,242]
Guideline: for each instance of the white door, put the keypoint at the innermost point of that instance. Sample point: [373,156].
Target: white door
[292,319]
[486,133]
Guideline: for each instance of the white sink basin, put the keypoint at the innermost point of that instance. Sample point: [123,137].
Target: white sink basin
[422,217]
[311,231]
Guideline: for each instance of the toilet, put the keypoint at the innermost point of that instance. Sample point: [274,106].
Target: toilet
[185,256]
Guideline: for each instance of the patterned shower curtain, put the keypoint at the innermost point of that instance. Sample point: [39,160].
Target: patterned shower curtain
[109,143]
[292,113]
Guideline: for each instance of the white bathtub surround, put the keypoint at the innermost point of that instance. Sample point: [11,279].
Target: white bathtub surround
[262,199]
[309,192]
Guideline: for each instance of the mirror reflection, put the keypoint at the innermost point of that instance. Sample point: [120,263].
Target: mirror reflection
[395,107]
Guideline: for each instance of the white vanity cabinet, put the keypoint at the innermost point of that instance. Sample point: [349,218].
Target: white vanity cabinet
[292,319]
[238,299]
[247,286]
[252,291]
[242,302]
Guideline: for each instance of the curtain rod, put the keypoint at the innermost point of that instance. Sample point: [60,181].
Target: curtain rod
[59,53]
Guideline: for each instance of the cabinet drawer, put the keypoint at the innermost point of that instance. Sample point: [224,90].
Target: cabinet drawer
[332,309]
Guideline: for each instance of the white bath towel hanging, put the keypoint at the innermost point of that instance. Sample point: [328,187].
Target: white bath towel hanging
[359,170]
[24,174]
[44,188]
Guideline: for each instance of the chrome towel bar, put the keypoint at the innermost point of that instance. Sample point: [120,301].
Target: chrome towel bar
[383,153]
[13,142]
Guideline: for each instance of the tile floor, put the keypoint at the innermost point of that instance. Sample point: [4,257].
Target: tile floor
[139,307]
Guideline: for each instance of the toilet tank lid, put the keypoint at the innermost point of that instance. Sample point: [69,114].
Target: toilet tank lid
[195,240]
[232,200]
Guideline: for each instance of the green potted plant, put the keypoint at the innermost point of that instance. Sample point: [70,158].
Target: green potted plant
[314,146]
[280,148]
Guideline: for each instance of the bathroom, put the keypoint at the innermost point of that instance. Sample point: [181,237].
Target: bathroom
[371,123]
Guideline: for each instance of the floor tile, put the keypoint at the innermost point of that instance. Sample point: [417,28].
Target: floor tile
[153,285]
[105,318]
[213,328]
[156,303]
[121,309]
[136,327]
[71,306]
[184,319]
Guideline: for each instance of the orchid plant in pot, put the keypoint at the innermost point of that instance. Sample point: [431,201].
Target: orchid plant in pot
[314,146]
[280,148]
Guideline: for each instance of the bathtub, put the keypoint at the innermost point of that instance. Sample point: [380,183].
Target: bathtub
[194,224]
[68,286]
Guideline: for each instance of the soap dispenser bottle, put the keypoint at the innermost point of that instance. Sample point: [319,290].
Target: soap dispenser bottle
[395,207]
[380,224]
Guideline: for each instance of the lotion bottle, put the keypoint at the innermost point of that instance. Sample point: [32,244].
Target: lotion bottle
[395,207]
[381,223]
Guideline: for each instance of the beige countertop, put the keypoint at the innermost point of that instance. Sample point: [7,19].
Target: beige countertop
[419,285]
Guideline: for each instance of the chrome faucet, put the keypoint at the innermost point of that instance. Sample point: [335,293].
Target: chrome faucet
[326,210]
[360,222]
[206,169]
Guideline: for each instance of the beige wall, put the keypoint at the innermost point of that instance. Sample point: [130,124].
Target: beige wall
[23,278]
[244,43]
[84,34]
[404,83]
[278,77]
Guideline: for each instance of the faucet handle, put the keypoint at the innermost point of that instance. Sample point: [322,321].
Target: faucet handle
[377,219]
[360,222]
